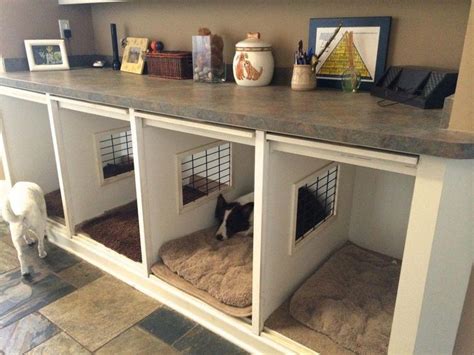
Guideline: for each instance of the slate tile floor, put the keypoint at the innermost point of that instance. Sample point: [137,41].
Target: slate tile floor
[67,306]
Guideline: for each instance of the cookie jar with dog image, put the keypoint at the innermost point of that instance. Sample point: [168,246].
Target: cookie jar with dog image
[253,61]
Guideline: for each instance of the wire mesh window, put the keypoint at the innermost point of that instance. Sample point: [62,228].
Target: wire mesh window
[116,154]
[316,201]
[206,171]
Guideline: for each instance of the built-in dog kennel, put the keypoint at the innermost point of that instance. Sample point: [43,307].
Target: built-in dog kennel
[188,165]
[28,146]
[335,231]
[98,154]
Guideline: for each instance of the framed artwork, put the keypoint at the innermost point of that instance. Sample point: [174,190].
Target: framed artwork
[367,54]
[133,59]
[46,54]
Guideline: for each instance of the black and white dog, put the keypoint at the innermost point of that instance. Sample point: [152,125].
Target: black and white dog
[234,217]
[237,216]
[25,209]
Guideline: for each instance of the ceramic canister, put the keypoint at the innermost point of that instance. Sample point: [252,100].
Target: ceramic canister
[253,61]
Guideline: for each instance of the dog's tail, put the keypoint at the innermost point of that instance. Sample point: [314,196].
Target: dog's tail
[8,214]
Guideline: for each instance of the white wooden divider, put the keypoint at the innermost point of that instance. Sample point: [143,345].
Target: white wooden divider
[24,95]
[398,163]
[261,169]
[93,109]
[61,163]
[236,135]
[4,156]
[138,145]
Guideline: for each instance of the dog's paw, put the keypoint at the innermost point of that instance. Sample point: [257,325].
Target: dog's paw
[43,255]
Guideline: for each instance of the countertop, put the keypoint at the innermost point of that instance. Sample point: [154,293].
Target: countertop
[326,115]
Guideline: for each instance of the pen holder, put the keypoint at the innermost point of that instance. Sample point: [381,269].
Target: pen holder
[303,78]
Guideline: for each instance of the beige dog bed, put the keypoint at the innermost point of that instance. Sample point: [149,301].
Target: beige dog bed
[350,299]
[217,272]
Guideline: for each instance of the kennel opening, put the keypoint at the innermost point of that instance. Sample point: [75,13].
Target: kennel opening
[99,156]
[363,226]
[28,148]
[185,174]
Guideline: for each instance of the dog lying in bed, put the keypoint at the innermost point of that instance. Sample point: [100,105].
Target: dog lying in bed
[25,209]
[237,216]
[234,217]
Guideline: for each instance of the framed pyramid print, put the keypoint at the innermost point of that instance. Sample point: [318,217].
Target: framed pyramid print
[360,43]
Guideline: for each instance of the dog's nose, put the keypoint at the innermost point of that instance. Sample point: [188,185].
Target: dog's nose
[219,237]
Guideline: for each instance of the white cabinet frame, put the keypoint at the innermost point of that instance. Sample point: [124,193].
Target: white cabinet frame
[438,251]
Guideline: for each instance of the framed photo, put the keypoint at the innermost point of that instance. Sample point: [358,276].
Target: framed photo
[46,54]
[133,59]
[368,54]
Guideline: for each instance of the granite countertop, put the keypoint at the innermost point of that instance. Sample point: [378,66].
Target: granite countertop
[326,115]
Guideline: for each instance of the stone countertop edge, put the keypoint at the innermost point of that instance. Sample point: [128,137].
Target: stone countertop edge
[436,142]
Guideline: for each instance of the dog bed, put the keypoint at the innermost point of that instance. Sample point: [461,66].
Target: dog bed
[350,299]
[118,230]
[54,205]
[217,272]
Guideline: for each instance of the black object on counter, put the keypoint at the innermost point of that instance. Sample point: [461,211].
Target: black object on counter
[415,86]
[116,60]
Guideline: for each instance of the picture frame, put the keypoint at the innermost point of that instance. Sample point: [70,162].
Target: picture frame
[133,60]
[370,41]
[46,54]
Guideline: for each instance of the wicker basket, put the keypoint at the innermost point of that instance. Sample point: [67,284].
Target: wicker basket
[170,65]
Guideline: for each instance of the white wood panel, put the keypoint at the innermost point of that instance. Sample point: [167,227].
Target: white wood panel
[92,108]
[23,95]
[141,183]
[161,149]
[399,163]
[260,237]
[28,143]
[437,258]
[236,135]
[282,273]
[4,156]
[90,198]
[61,165]
[380,210]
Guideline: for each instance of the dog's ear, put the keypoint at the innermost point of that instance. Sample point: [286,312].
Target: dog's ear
[247,209]
[220,207]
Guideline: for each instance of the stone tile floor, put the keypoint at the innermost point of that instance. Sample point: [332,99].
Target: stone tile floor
[67,306]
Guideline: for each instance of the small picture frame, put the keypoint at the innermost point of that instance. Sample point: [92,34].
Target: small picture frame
[133,55]
[46,54]
[370,47]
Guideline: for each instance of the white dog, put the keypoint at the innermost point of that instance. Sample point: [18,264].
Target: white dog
[25,209]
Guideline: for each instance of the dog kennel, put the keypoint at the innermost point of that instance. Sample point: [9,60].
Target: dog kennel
[188,165]
[99,159]
[334,236]
[28,150]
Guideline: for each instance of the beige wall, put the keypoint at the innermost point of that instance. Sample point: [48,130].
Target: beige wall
[35,19]
[428,32]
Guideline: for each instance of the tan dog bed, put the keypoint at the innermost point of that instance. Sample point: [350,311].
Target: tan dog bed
[217,272]
[351,299]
